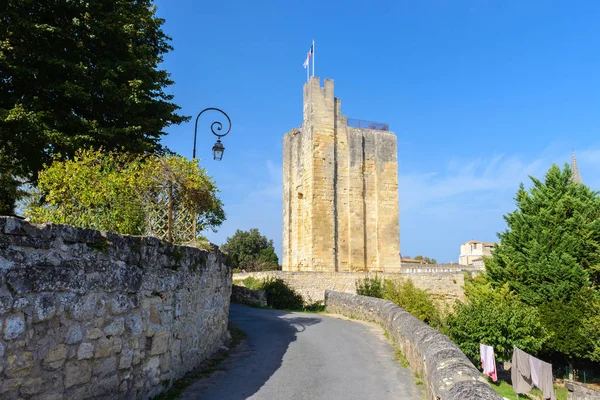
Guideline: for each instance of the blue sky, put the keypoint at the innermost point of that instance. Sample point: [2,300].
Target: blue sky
[480,94]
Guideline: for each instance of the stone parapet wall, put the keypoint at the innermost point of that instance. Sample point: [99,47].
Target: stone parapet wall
[579,391]
[88,314]
[445,286]
[447,373]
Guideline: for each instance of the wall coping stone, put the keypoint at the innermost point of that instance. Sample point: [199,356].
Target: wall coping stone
[447,373]
[580,391]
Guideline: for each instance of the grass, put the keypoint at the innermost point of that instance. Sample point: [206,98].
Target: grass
[505,389]
[400,358]
[419,382]
[206,369]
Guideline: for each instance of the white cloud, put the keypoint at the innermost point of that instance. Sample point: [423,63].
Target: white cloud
[466,200]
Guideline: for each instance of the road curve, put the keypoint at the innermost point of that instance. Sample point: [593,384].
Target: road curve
[306,356]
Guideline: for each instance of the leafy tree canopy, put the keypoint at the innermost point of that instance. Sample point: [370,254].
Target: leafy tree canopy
[75,74]
[250,251]
[551,249]
[496,317]
[540,289]
[114,191]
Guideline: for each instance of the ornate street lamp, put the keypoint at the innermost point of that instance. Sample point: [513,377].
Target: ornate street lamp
[218,149]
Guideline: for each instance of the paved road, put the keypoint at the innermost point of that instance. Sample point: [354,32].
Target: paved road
[307,356]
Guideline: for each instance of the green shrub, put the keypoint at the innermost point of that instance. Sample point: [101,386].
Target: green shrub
[370,286]
[416,301]
[118,191]
[253,283]
[280,295]
[250,251]
[403,293]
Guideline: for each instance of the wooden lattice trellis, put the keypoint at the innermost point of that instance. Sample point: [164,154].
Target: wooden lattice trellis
[169,216]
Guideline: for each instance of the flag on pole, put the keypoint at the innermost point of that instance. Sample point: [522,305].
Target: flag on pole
[308,55]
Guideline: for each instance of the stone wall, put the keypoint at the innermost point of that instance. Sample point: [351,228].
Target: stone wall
[447,373]
[445,284]
[579,391]
[340,191]
[88,314]
[243,295]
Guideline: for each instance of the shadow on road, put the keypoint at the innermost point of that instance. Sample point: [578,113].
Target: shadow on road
[252,364]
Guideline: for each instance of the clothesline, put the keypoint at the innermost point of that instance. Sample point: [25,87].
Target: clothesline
[526,371]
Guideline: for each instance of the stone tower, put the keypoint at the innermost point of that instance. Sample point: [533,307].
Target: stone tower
[340,190]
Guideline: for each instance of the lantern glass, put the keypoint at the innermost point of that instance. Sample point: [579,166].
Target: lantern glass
[218,150]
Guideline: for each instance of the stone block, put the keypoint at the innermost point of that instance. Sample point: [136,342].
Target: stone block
[116,328]
[126,359]
[160,343]
[138,356]
[165,362]
[14,226]
[6,302]
[20,304]
[85,351]
[105,366]
[106,386]
[77,372]
[119,304]
[74,334]
[32,386]
[56,357]
[105,347]
[44,307]
[93,334]
[19,365]
[134,325]
[152,369]
[14,325]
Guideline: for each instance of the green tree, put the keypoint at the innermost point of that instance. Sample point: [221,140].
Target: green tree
[548,261]
[426,260]
[250,251]
[496,317]
[113,191]
[75,74]
[551,249]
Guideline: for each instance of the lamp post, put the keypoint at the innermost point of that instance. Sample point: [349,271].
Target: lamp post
[218,149]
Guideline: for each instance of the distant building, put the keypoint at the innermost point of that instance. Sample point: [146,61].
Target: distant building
[408,260]
[575,175]
[473,251]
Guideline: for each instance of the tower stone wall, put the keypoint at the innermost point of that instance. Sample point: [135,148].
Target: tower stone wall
[340,184]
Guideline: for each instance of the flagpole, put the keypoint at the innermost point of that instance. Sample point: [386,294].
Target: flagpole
[307,73]
[313,57]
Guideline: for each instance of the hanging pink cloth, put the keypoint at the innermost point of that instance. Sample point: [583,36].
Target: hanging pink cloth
[488,361]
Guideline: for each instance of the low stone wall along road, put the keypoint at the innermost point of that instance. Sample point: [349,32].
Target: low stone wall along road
[307,356]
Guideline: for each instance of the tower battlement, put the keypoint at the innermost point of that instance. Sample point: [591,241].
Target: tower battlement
[340,184]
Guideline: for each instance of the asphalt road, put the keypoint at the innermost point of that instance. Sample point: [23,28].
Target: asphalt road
[307,356]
